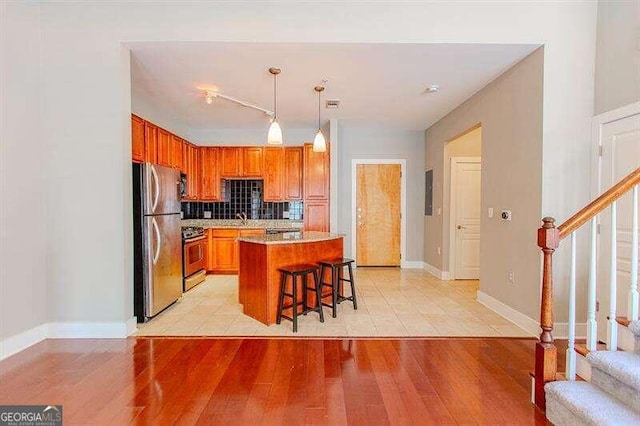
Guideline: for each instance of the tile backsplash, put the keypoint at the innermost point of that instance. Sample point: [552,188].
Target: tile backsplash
[242,196]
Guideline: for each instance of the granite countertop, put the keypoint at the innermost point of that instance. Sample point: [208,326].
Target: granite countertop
[236,223]
[291,237]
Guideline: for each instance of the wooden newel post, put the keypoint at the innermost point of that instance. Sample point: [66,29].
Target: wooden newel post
[546,352]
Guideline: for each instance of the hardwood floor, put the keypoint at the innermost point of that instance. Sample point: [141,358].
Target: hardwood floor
[276,381]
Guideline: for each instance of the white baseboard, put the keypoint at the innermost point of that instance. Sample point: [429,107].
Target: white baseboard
[66,330]
[21,341]
[411,264]
[560,329]
[443,275]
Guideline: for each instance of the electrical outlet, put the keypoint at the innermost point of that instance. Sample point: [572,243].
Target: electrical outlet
[207,214]
[510,277]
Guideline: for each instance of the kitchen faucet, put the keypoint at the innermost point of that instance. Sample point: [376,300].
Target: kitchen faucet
[243,217]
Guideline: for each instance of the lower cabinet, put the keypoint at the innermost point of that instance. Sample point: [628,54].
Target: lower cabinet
[223,249]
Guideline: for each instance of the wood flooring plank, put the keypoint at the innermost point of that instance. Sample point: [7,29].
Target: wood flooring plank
[274,382]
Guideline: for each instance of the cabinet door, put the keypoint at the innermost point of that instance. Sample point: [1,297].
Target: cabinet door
[292,173]
[316,216]
[137,139]
[316,174]
[230,161]
[273,169]
[252,161]
[176,153]
[209,177]
[193,171]
[164,148]
[225,254]
[150,143]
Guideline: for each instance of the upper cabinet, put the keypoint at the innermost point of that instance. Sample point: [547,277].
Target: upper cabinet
[292,173]
[150,143]
[316,173]
[209,177]
[237,162]
[165,148]
[137,139]
[191,166]
[176,153]
[273,170]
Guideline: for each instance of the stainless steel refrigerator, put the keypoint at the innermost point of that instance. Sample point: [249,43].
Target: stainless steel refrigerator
[157,239]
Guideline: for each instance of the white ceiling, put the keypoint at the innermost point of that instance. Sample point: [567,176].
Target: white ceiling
[379,84]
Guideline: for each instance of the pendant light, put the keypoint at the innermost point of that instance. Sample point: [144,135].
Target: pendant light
[274,136]
[319,143]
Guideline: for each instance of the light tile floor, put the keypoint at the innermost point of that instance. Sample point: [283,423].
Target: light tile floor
[392,302]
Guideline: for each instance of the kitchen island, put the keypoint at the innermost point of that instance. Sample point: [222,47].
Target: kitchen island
[262,255]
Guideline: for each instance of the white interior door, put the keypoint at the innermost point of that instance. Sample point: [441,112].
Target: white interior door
[620,141]
[465,209]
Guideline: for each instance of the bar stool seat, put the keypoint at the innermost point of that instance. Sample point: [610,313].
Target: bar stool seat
[295,271]
[337,267]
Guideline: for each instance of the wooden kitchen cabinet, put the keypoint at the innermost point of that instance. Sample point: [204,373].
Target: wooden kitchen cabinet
[137,139]
[229,161]
[191,168]
[210,188]
[224,249]
[316,189]
[150,143]
[316,174]
[316,216]
[251,161]
[176,153]
[164,148]
[273,174]
[292,172]
[240,162]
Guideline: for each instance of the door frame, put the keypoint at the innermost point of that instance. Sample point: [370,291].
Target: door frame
[453,161]
[403,203]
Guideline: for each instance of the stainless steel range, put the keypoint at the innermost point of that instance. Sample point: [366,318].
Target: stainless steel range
[194,248]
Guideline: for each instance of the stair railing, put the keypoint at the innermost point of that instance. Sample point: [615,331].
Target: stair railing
[549,239]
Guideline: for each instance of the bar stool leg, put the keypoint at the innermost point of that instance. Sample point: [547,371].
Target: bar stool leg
[334,290]
[305,303]
[283,283]
[294,315]
[353,286]
[318,295]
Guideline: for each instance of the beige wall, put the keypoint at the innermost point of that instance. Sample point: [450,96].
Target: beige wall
[510,112]
[23,260]
[85,109]
[618,54]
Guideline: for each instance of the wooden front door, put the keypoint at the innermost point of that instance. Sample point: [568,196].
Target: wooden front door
[378,188]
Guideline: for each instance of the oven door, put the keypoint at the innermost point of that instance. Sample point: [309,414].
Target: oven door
[194,255]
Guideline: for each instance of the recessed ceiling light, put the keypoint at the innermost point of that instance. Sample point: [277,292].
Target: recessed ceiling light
[432,88]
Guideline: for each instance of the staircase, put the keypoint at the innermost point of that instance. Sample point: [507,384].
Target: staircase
[611,397]
[602,387]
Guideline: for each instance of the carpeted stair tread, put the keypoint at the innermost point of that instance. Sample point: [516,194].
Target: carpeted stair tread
[622,366]
[634,327]
[587,404]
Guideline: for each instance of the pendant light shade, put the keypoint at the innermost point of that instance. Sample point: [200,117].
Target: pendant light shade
[274,136]
[319,143]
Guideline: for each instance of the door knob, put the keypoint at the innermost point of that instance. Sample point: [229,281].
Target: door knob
[462,227]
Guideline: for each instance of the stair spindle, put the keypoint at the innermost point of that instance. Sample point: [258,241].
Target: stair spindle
[571,353]
[632,311]
[612,326]
[592,325]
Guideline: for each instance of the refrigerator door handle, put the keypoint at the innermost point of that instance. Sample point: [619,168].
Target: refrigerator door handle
[157,192]
[158,240]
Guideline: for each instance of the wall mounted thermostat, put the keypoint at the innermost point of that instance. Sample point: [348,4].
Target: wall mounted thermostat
[506,215]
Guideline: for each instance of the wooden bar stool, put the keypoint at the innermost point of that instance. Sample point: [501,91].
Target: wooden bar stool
[337,266]
[295,271]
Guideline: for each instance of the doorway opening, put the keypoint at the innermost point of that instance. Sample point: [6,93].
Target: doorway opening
[463,187]
[378,206]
